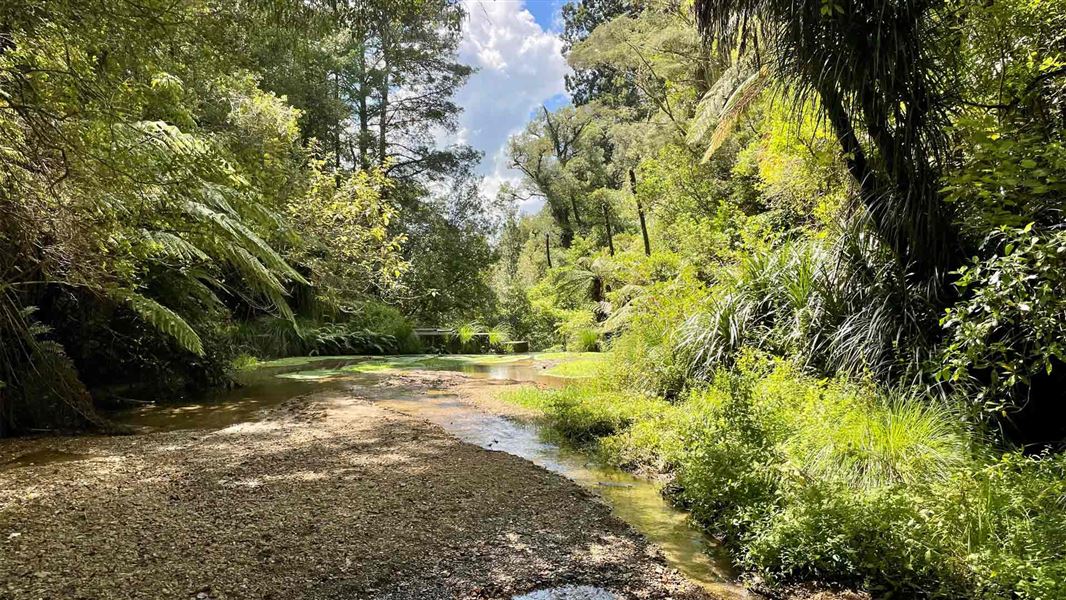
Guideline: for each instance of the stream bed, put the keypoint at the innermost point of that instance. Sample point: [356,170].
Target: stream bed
[636,500]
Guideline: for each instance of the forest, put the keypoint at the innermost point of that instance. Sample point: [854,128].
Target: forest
[806,259]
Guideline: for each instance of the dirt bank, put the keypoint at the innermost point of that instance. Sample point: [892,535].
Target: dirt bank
[327,497]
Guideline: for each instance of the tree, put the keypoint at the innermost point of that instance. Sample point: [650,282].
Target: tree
[559,157]
[879,72]
[662,59]
[596,82]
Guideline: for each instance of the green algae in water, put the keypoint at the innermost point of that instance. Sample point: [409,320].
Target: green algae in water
[298,361]
[578,368]
[313,374]
[427,362]
[475,359]
[573,365]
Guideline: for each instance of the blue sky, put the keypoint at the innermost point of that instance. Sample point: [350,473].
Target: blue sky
[514,46]
[545,12]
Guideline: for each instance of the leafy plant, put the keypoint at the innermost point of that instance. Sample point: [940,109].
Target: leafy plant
[1011,325]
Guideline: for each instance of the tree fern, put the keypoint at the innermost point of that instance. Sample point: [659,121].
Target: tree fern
[238,233]
[163,319]
[164,243]
[722,106]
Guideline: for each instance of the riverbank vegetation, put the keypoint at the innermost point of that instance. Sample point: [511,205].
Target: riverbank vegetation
[822,246]
[182,183]
[818,245]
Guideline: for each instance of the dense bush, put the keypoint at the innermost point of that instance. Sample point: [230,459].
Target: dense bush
[369,328]
[819,281]
[1011,325]
[830,480]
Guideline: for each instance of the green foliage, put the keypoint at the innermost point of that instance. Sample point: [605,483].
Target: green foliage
[183,191]
[862,72]
[828,479]
[1010,325]
[1010,178]
[369,328]
[644,356]
[811,179]
[165,320]
[345,225]
[586,412]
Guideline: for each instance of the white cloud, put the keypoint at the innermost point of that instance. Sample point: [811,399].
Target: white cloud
[519,66]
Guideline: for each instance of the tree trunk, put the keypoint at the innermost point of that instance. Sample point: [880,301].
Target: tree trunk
[548,248]
[561,215]
[337,124]
[383,117]
[908,216]
[640,212]
[337,100]
[364,92]
[607,224]
[577,215]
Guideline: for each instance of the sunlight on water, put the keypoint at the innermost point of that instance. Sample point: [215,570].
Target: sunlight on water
[569,592]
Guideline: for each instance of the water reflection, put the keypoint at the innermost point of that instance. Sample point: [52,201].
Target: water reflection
[38,458]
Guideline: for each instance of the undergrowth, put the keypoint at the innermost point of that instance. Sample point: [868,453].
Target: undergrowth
[834,480]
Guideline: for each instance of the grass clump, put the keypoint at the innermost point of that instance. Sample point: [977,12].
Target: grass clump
[585,413]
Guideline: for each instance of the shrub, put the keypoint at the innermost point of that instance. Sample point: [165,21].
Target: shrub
[841,306]
[365,328]
[1011,326]
[643,355]
[837,480]
[584,413]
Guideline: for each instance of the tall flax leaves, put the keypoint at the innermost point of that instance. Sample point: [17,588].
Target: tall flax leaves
[874,67]
[843,307]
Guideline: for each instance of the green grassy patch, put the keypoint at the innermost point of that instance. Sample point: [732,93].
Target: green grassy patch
[581,366]
[584,413]
[565,355]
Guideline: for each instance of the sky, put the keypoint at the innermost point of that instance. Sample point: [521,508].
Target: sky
[515,48]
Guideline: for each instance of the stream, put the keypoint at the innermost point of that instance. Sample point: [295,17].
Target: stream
[633,499]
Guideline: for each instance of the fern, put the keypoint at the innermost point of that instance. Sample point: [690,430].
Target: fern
[722,106]
[168,244]
[738,104]
[238,233]
[163,319]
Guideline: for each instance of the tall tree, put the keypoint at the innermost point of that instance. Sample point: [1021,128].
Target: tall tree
[878,70]
[417,74]
[547,153]
[600,82]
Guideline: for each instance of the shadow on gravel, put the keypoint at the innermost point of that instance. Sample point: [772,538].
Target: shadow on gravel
[332,499]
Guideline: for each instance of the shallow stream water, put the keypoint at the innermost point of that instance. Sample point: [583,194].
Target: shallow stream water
[635,500]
